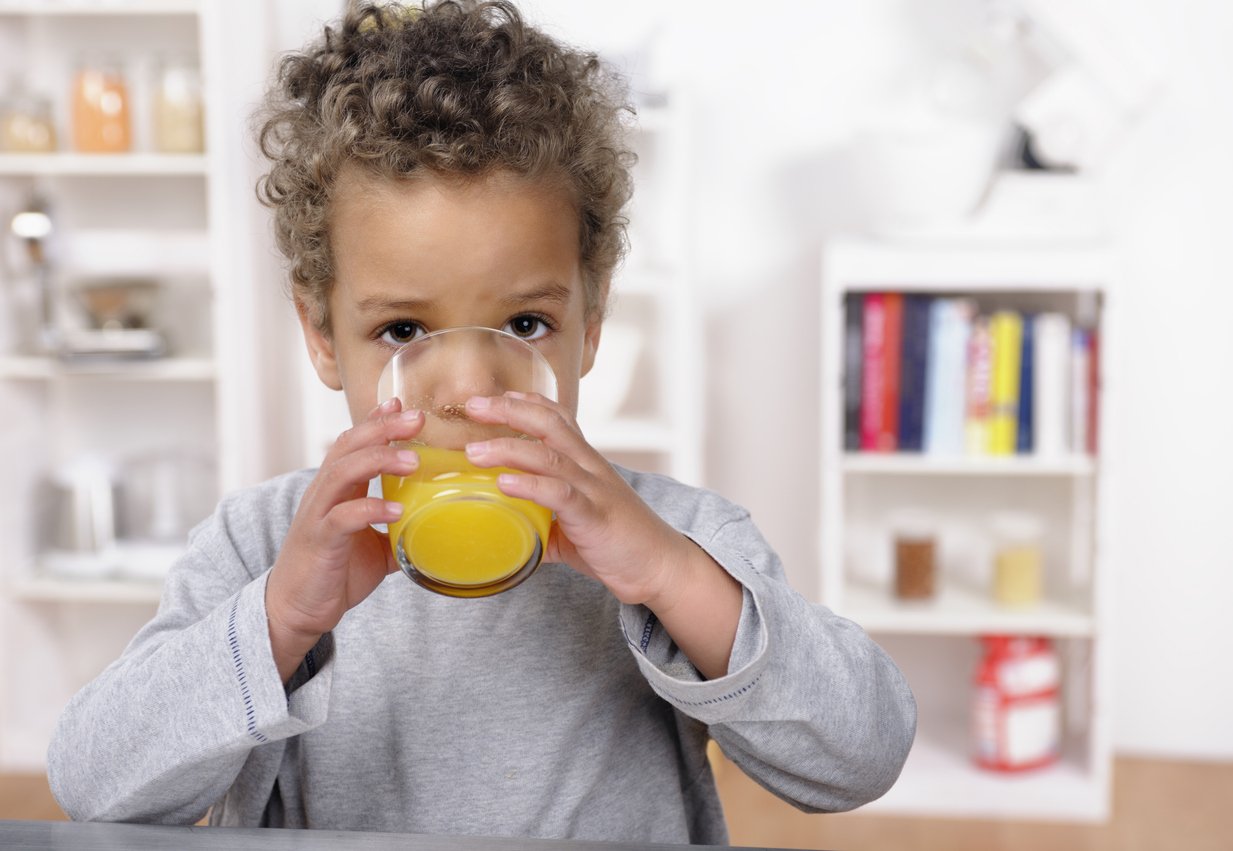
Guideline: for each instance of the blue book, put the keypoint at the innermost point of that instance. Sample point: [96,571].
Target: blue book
[914,358]
[1024,436]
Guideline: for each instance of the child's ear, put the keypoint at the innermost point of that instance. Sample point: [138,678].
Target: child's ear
[320,349]
[590,345]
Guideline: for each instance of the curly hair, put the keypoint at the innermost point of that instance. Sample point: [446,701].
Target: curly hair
[457,88]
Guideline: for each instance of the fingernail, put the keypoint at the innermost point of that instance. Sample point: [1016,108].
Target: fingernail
[406,456]
[409,414]
[393,510]
[477,450]
[388,405]
[506,480]
[479,403]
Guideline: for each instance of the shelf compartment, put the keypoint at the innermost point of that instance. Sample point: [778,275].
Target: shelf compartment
[892,463]
[961,611]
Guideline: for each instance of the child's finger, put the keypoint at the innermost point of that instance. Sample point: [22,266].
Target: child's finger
[535,417]
[338,480]
[383,428]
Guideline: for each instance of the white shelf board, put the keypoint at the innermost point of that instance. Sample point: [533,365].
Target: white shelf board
[102,165]
[940,780]
[56,590]
[156,369]
[871,266]
[45,8]
[902,463]
[959,611]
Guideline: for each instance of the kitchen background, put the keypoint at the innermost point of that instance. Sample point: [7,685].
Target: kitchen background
[797,161]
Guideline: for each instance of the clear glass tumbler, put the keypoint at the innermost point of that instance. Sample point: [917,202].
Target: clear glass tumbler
[459,535]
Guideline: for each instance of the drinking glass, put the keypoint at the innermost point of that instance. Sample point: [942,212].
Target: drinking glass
[459,535]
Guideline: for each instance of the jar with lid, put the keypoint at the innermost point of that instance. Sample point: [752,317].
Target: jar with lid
[26,125]
[1018,563]
[101,122]
[915,556]
[178,119]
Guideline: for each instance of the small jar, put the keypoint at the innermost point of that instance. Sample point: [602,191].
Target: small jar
[178,121]
[26,125]
[915,557]
[101,123]
[1018,561]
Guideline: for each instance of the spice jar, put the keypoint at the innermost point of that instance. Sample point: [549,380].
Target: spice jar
[26,125]
[915,557]
[1018,565]
[178,125]
[101,122]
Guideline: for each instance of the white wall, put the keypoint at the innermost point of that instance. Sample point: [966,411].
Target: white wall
[778,88]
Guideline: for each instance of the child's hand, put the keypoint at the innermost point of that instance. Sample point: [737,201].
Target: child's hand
[603,528]
[332,559]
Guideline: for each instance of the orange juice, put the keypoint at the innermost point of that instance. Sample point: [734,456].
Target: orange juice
[458,530]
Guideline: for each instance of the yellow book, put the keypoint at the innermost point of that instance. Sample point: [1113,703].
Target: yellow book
[1006,331]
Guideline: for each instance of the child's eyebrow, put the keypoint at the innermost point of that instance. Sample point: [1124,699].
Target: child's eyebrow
[376,304]
[553,291]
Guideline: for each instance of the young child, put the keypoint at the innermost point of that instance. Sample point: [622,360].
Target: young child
[436,168]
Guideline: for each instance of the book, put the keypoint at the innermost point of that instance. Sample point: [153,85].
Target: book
[1051,384]
[1079,377]
[950,324]
[853,359]
[1093,391]
[873,371]
[1024,425]
[888,435]
[977,387]
[1006,333]
[914,357]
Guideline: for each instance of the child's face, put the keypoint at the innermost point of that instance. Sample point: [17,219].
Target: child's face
[421,255]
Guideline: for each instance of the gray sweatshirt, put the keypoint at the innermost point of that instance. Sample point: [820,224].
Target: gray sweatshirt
[550,710]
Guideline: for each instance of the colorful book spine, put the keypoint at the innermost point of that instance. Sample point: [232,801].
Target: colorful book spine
[892,362]
[1025,425]
[1006,331]
[978,386]
[1093,391]
[1080,372]
[873,372]
[913,366]
[1051,384]
[853,359]
[950,325]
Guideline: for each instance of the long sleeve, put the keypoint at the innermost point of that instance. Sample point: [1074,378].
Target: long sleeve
[811,707]
[165,730]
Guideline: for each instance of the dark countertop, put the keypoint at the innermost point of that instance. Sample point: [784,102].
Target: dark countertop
[72,836]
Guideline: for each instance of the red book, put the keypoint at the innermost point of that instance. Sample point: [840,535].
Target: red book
[1093,390]
[873,370]
[888,437]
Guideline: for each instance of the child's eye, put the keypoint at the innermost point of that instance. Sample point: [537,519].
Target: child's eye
[528,326]
[398,333]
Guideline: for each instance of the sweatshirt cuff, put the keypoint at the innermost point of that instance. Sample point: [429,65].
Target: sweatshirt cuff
[269,711]
[674,677]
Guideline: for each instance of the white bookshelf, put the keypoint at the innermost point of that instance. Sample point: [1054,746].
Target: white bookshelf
[935,641]
[180,219]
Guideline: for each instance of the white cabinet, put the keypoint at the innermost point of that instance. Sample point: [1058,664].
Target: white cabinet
[935,641]
[170,432]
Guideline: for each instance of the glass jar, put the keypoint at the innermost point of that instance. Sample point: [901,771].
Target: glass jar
[178,120]
[26,125]
[915,557]
[101,122]
[1018,564]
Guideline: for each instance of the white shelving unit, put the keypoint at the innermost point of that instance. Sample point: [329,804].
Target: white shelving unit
[642,402]
[173,218]
[934,641]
